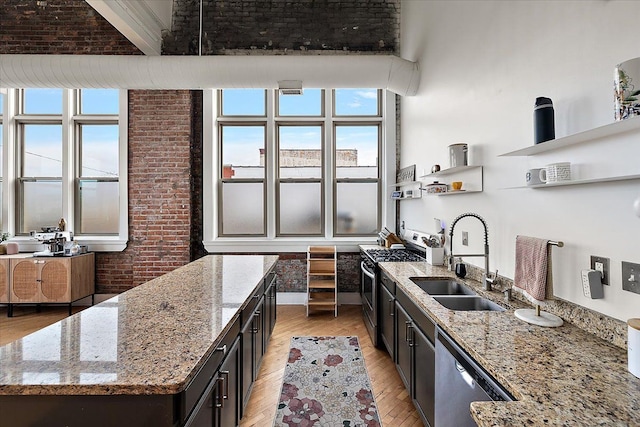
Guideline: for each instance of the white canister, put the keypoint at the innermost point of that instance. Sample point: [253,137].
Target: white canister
[458,155]
[633,341]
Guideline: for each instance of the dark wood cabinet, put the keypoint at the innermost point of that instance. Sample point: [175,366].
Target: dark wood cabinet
[423,374]
[218,405]
[270,306]
[403,348]
[387,314]
[415,354]
[253,347]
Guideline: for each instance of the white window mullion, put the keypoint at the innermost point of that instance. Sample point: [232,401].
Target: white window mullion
[270,164]
[9,166]
[329,158]
[388,161]
[69,97]
[210,164]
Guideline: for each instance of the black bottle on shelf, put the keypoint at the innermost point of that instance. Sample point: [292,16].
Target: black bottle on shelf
[543,121]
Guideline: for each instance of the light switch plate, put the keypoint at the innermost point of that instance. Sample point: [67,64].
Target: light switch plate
[465,238]
[631,277]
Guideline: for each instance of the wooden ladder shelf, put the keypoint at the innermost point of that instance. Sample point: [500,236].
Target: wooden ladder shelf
[322,289]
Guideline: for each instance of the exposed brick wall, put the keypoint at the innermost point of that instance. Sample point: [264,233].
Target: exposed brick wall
[292,272]
[58,27]
[282,26]
[159,187]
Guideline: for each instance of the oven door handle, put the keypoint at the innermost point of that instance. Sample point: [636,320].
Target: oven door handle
[366,271]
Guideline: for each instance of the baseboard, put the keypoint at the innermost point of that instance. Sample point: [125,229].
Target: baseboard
[300,298]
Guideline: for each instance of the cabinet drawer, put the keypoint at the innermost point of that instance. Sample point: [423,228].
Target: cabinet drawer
[419,317]
[191,394]
[388,283]
[247,311]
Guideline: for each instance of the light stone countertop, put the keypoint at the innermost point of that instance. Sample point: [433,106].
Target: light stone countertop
[560,376]
[148,340]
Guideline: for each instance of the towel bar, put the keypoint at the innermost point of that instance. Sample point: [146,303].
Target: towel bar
[554,243]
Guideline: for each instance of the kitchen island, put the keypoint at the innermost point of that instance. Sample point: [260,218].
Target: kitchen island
[560,376]
[144,357]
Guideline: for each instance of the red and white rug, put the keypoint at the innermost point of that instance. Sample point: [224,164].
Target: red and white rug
[326,383]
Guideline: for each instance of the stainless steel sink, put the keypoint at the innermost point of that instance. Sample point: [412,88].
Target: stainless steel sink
[468,303]
[441,286]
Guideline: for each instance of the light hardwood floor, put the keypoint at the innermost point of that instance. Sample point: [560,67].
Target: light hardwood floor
[394,404]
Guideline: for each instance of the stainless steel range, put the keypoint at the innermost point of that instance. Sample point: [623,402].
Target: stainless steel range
[370,272]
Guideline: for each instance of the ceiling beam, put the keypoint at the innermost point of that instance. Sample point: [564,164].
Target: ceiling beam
[140,21]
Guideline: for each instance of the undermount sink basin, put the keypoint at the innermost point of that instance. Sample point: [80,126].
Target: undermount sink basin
[468,303]
[441,286]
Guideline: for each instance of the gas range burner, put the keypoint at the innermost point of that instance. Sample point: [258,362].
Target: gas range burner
[393,255]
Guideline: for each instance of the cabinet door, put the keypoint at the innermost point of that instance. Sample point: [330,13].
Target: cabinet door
[24,283]
[246,362]
[270,310]
[387,317]
[403,348]
[423,375]
[54,280]
[203,413]
[258,330]
[227,390]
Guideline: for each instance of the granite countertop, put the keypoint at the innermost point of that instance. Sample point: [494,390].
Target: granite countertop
[148,340]
[559,376]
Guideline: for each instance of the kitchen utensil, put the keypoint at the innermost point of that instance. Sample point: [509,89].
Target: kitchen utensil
[556,172]
[457,185]
[458,154]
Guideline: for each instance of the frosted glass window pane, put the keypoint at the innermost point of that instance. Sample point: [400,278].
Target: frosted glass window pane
[357,151]
[99,101]
[99,148]
[99,207]
[243,208]
[244,102]
[300,151]
[300,208]
[1,103]
[243,151]
[42,205]
[43,101]
[42,150]
[307,104]
[356,102]
[357,208]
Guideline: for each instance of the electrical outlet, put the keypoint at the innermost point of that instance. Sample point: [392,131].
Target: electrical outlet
[465,238]
[601,264]
[631,277]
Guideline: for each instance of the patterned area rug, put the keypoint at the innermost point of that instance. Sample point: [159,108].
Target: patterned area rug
[326,383]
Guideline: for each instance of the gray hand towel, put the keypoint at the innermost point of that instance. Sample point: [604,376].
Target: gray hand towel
[533,268]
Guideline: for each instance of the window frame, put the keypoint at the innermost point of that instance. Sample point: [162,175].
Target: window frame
[70,119]
[213,241]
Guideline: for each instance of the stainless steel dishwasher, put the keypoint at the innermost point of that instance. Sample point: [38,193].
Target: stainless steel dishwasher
[460,381]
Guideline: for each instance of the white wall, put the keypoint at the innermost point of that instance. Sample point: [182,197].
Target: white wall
[483,63]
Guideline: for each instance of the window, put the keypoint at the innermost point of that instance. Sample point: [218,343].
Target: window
[65,149]
[296,168]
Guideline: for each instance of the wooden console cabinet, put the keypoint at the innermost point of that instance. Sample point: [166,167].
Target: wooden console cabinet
[43,280]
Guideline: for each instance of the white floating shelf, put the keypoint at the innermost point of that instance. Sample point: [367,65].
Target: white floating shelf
[457,193]
[579,182]
[450,171]
[611,129]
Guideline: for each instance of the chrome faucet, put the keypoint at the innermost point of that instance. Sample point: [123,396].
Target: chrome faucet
[486,280]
